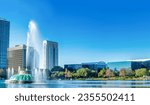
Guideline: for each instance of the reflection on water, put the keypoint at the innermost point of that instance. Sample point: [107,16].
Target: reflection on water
[80,84]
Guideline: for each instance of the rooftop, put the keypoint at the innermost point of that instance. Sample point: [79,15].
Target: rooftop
[3,19]
[17,47]
[139,60]
[134,60]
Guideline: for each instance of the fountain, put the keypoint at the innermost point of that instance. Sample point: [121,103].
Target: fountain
[19,68]
[10,72]
[34,53]
[33,73]
[21,77]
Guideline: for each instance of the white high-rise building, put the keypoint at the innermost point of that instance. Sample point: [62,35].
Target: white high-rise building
[50,54]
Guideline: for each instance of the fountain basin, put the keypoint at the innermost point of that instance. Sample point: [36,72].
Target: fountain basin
[20,78]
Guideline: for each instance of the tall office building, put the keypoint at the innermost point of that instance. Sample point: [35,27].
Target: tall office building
[4,42]
[50,54]
[17,57]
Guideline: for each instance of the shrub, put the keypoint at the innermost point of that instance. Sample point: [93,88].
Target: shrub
[141,72]
[101,73]
[109,73]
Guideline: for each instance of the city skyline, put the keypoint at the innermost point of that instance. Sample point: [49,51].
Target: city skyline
[85,31]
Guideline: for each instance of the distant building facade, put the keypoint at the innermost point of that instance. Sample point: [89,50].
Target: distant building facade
[133,64]
[4,42]
[119,65]
[91,65]
[17,57]
[94,65]
[50,54]
[140,64]
[72,67]
[97,66]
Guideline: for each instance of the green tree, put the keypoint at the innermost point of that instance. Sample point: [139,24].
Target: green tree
[74,75]
[130,72]
[141,72]
[83,72]
[68,74]
[101,73]
[149,72]
[60,74]
[57,75]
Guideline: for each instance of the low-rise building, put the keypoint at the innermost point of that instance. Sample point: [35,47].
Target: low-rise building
[17,57]
[130,64]
[91,65]
[119,65]
[94,65]
[72,67]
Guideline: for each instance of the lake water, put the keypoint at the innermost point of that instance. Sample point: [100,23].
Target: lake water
[80,84]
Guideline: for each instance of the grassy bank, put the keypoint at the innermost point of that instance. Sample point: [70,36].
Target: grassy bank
[105,79]
[121,78]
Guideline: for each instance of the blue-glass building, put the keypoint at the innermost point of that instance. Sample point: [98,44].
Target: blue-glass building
[4,42]
[119,65]
[140,64]
[97,66]
[133,64]
[72,67]
[94,65]
[91,65]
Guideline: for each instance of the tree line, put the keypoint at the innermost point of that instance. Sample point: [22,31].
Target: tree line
[60,73]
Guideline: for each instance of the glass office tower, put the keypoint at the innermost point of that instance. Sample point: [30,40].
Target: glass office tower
[4,42]
[50,52]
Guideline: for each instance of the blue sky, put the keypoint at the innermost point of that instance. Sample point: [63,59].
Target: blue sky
[86,30]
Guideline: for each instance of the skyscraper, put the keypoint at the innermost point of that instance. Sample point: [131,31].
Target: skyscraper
[4,42]
[50,54]
[17,57]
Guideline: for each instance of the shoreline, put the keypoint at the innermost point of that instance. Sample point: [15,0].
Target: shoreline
[111,78]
